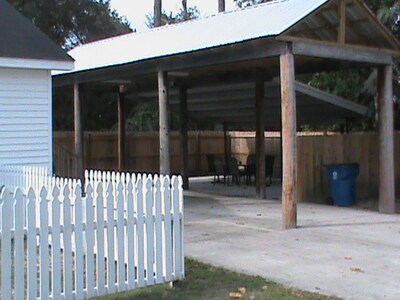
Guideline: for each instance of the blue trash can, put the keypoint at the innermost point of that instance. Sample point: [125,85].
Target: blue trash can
[343,179]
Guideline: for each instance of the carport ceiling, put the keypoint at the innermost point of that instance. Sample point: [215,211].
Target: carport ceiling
[235,104]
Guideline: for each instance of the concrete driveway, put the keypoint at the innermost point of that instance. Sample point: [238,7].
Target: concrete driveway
[346,252]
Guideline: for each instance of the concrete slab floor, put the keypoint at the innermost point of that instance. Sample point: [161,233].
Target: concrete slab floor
[347,252]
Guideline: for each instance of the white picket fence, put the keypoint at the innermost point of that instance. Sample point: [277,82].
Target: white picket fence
[126,232]
[23,177]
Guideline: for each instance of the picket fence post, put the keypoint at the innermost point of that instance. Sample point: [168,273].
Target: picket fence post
[56,245]
[19,217]
[130,233]
[6,218]
[78,241]
[120,237]
[158,230]
[90,261]
[31,248]
[140,233]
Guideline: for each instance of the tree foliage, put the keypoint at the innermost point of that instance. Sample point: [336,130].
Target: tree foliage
[247,3]
[73,22]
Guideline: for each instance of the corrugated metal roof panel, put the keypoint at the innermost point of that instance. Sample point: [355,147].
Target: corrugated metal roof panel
[269,19]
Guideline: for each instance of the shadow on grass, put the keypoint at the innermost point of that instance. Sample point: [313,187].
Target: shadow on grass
[206,282]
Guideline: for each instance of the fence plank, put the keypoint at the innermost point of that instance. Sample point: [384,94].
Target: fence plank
[67,234]
[44,245]
[56,249]
[100,239]
[139,229]
[149,231]
[130,235]
[110,240]
[158,230]
[176,229]
[6,219]
[166,195]
[181,228]
[90,260]
[31,248]
[121,236]
[19,244]
[78,242]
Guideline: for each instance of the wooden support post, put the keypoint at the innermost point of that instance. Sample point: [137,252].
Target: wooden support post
[183,115]
[78,132]
[157,13]
[260,138]
[386,148]
[121,128]
[164,122]
[289,139]
[221,5]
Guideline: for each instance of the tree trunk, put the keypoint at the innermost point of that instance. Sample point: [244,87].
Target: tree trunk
[185,10]
[157,13]
[221,5]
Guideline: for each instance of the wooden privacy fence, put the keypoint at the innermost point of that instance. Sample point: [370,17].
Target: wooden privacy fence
[314,151]
[142,148]
[125,232]
[100,150]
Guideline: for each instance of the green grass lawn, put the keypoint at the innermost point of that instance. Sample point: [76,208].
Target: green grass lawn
[206,282]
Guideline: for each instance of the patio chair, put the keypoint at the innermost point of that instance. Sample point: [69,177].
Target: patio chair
[210,164]
[250,169]
[234,171]
[219,169]
[269,167]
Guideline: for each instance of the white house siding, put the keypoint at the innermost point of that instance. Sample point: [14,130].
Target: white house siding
[25,117]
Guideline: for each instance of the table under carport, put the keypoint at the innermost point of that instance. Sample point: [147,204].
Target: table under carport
[255,48]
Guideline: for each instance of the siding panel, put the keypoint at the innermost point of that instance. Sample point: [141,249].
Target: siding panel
[25,124]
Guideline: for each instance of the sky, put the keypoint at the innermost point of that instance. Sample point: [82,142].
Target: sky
[136,10]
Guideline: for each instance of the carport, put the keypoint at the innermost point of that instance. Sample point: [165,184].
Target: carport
[254,52]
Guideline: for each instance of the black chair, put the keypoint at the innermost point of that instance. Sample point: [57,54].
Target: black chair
[210,163]
[269,167]
[234,171]
[219,169]
[250,169]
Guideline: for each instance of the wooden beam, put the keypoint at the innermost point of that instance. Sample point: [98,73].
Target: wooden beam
[78,132]
[260,140]
[307,112]
[342,23]
[306,47]
[183,116]
[289,139]
[262,48]
[382,28]
[164,122]
[121,128]
[330,98]
[386,148]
